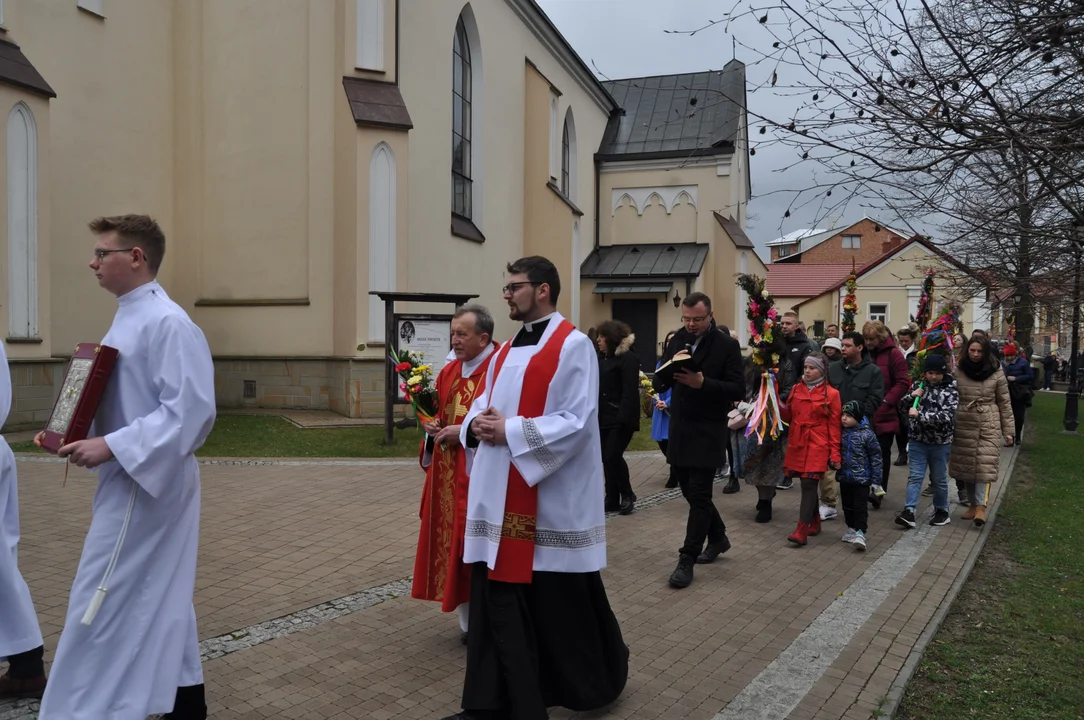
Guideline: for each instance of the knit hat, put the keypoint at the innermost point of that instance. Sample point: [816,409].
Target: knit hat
[1009,349]
[934,363]
[818,362]
[833,343]
[854,409]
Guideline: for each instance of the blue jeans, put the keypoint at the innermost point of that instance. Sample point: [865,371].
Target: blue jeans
[923,455]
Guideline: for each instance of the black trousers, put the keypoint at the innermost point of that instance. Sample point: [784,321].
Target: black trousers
[704,523]
[886,440]
[189,704]
[615,440]
[27,665]
[853,498]
[1019,408]
[553,642]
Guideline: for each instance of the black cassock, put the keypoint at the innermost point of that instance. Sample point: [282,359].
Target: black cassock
[553,642]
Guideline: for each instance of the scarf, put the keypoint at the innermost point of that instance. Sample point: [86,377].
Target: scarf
[977,371]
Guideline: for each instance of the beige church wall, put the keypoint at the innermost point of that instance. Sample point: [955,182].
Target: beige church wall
[712,193]
[439,261]
[346,12]
[110,141]
[654,223]
[260,193]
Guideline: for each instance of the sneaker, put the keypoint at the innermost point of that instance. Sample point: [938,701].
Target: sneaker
[859,540]
[940,517]
[906,518]
[785,484]
[828,512]
[850,535]
[877,490]
[928,491]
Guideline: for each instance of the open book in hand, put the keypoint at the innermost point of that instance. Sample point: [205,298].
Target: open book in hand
[682,360]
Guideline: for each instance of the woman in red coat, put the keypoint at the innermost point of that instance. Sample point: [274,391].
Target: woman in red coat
[813,412]
[885,354]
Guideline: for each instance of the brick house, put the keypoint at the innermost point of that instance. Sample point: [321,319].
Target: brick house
[862,242]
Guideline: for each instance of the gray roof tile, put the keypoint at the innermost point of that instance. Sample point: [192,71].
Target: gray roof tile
[645,261]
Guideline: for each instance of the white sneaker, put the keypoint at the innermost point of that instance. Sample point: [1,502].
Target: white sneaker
[879,491]
[828,513]
[859,541]
[850,535]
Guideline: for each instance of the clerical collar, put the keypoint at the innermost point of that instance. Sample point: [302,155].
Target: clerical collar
[541,322]
[470,366]
[139,293]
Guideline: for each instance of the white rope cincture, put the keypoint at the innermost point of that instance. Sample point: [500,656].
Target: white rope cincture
[103,586]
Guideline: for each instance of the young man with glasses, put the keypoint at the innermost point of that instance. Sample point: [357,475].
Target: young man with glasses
[699,410]
[130,644]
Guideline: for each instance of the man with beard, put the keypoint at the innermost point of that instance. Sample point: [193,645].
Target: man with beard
[699,409]
[541,629]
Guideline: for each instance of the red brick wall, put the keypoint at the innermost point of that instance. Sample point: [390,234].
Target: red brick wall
[874,244]
[775,252]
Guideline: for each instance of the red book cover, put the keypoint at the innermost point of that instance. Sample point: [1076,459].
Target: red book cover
[84,383]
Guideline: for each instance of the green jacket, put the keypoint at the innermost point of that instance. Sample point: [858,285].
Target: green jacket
[863,383]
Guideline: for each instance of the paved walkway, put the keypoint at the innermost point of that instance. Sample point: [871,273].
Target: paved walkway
[304,607]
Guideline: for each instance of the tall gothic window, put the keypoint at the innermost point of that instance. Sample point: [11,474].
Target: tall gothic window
[564,160]
[462,194]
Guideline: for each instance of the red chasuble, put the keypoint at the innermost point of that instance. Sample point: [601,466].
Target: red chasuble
[439,571]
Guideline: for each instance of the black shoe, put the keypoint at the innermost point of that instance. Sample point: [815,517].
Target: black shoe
[1017,440]
[940,517]
[901,460]
[463,638]
[764,511]
[682,577]
[785,484]
[906,518]
[713,550]
[189,704]
[732,486]
[627,506]
[875,501]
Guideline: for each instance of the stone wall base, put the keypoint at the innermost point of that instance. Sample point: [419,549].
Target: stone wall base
[348,386]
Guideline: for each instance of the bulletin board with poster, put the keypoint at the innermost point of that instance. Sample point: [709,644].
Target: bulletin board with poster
[429,334]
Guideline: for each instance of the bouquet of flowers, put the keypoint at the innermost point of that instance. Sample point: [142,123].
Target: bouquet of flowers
[418,384]
[765,416]
[925,303]
[647,395]
[938,338]
[850,301]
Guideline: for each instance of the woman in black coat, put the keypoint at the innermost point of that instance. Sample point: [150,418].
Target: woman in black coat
[618,410]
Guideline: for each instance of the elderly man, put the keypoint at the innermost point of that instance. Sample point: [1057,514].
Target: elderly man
[439,572]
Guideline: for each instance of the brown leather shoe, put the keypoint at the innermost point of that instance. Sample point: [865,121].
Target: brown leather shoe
[969,514]
[980,515]
[12,689]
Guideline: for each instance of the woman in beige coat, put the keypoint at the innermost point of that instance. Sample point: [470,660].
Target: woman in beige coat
[984,423]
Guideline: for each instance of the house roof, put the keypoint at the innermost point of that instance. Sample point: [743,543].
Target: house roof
[805,280]
[793,237]
[17,70]
[816,239]
[645,261]
[733,229]
[676,115]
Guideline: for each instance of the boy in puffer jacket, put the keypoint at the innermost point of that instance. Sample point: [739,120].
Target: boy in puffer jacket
[860,468]
[931,411]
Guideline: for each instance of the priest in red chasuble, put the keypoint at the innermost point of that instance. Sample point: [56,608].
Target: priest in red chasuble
[439,572]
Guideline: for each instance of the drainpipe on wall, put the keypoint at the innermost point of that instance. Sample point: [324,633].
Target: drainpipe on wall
[598,202]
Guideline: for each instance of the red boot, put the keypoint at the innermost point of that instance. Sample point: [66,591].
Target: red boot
[800,535]
[814,528]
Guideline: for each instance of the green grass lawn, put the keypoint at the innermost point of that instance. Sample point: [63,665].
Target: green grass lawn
[1012,646]
[270,436]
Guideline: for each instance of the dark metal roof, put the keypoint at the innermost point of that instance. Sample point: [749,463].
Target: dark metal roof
[377,104]
[688,114]
[733,229]
[645,261]
[612,288]
[16,69]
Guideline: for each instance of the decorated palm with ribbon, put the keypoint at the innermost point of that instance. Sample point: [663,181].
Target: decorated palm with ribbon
[850,301]
[765,414]
[925,302]
[937,339]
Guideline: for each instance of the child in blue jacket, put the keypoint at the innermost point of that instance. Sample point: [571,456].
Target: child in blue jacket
[860,468]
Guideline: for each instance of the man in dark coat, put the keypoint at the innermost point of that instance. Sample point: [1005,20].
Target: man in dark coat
[699,407]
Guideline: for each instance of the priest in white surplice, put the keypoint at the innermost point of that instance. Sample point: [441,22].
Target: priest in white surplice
[541,629]
[139,654]
[20,635]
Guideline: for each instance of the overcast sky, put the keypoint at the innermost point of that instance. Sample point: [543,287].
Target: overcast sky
[627,38]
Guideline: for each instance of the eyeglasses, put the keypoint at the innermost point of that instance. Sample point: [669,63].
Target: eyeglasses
[700,319]
[510,288]
[100,254]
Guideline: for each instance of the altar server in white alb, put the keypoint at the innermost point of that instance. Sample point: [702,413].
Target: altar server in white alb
[541,629]
[20,635]
[138,654]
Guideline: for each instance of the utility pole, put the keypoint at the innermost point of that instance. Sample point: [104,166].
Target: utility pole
[1073,395]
